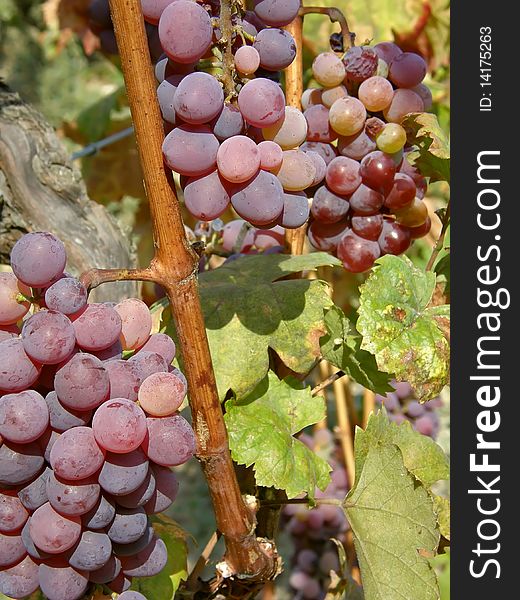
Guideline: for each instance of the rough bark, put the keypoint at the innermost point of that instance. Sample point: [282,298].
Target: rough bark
[40,189]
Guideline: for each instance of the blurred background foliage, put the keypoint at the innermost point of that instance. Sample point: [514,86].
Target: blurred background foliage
[50,56]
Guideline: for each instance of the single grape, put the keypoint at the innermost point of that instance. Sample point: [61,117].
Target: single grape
[247,60]
[426,425]
[148,362]
[12,550]
[295,209]
[18,372]
[92,552]
[233,230]
[76,455]
[12,306]
[119,425]
[360,63]
[407,70]
[276,13]
[32,550]
[367,226]
[148,562]
[190,41]
[290,132]
[343,175]
[122,474]
[23,416]
[276,49]
[13,513]
[124,379]
[128,525]
[261,102]
[415,409]
[82,383]
[330,95]
[318,126]
[356,146]
[141,495]
[97,327]
[170,441]
[153,9]
[328,69]
[52,532]
[259,200]
[297,171]
[166,488]
[326,237]
[311,97]
[376,93]
[199,98]
[402,193]
[271,155]
[68,295]
[19,463]
[238,159]
[387,51]
[38,259]
[20,580]
[413,215]
[190,149]
[72,499]
[391,139]
[307,560]
[347,116]
[356,253]
[48,337]
[394,238]
[326,151]
[34,494]
[404,102]
[161,394]
[377,171]
[328,207]
[62,582]
[101,515]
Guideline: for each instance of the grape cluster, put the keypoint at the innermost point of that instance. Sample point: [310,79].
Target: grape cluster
[311,530]
[371,201]
[402,405]
[87,438]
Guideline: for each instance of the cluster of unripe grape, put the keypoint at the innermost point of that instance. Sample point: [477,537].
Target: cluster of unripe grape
[87,437]
[402,405]
[314,555]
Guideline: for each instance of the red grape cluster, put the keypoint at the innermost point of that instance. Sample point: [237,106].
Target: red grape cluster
[402,405]
[311,530]
[371,201]
[87,438]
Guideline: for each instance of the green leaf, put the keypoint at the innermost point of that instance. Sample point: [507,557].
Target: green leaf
[343,349]
[261,433]
[167,582]
[394,528]
[406,336]
[433,155]
[247,311]
[424,458]
[442,508]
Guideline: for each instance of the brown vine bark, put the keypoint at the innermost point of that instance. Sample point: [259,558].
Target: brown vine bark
[40,188]
[175,267]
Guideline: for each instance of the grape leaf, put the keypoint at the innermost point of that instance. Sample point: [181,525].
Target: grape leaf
[442,508]
[247,311]
[424,458]
[394,528]
[406,336]
[167,582]
[342,349]
[432,157]
[261,430]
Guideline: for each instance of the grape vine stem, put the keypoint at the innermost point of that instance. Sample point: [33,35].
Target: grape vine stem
[440,240]
[336,16]
[174,266]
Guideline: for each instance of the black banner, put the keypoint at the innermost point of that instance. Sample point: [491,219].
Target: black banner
[484,249]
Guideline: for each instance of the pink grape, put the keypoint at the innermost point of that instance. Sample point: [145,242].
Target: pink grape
[136,322]
[207,197]
[367,226]
[377,171]
[387,51]
[289,132]
[17,371]
[153,9]
[23,416]
[228,123]
[34,494]
[330,95]
[276,48]
[52,532]
[166,488]
[231,232]
[376,93]
[101,515]
[356,253]
[343,175]
[310,97]
[166,94]
[148,562]
[161,394]
[198,98]
[92,552]
[48,337]
[19,463]
[238,159]
[119,425]
[12,309]
[366,201]
[20,580]
[319,164]
[356,146]
[72,499]
[76,455]
[123,473]
[326,151]
[328,69]
[161,344]
[295,210]
[13,514]
[259,200]
[148,362]
[404,102]
[190,149]
[261,102]
[68,295]
[128,526]
[12,550]
[131,595]
[347,116]
[38,259]
[189,43]
[276,12]
[402,193]
[297,171]
[319,128]
[328,207]
[141,495]
[326,237]
[124,379]
[97,327]
[62,582]
[247,60]
[170,441]
[424,92]
[271,155]
[407,70]
[82,383]
[394,238]
[47,441]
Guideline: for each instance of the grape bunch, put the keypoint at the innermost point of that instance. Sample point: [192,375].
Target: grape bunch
[371,201]
[311,530]
[87,438]
[402,405]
